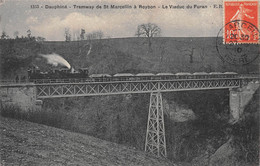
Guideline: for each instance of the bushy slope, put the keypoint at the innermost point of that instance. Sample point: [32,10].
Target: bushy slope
[16,56]
[118,118]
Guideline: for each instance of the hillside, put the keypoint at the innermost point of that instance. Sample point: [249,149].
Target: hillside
[167,54]
[121,55]
[25,143]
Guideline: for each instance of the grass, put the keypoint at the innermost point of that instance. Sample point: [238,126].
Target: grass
[54,118]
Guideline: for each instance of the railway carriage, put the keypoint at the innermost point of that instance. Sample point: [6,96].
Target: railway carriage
[100,78]
[123,77]
[216,75]
[183,75]
[165,76]
[82,75]
[200,75]
[230,74]
[144,76]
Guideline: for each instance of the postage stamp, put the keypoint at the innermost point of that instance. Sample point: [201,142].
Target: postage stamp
[241,22]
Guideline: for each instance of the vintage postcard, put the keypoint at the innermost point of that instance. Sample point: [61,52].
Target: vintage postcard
[129,82]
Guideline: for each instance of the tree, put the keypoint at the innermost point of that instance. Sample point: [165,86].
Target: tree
[189,52]
[67,34]
[4,35]
[16,34]
[82,34]
[163,49]
[99,34]
[95,35]
[149,31]
[40,39]
[29,33]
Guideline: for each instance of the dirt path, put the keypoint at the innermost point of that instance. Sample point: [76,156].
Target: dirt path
[25,143]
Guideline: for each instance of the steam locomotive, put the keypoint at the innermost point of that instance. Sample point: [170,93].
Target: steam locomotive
[35,73]
[82,75]
[38,76]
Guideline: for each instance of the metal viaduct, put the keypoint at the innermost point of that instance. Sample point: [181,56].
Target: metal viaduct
[155,136]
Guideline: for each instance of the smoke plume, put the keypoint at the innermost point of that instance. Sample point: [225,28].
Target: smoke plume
[55,60]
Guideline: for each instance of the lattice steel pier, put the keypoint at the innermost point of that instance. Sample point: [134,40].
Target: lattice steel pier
[155,136]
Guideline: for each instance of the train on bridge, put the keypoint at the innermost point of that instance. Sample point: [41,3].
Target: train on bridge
[82,75]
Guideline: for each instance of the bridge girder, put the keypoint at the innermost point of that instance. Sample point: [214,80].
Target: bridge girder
[110,88]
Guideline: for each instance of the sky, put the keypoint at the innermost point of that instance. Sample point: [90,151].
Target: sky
[18,15]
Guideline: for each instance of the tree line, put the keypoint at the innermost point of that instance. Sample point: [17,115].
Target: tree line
[82,35]
[29,36]
[148,31]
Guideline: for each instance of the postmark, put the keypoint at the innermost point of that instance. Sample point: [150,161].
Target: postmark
[234,52]
[241,22]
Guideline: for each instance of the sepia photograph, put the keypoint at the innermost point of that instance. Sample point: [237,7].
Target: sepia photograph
[129,82]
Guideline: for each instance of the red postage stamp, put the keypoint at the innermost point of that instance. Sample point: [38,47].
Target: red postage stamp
[241,22]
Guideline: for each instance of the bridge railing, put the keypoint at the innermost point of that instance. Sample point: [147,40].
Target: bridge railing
[40,81]
[85,80]
[12,81]
[69,80]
